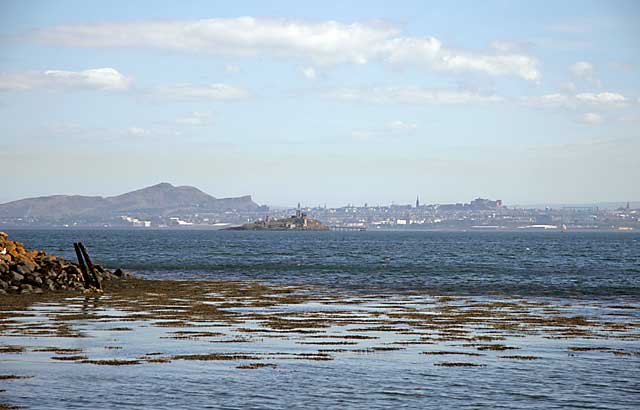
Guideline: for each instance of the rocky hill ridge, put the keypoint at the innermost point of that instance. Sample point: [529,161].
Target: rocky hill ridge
[158,200]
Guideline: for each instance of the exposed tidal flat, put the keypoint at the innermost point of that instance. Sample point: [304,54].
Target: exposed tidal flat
[228,339]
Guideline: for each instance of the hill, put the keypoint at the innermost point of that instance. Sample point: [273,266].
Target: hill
[162,199]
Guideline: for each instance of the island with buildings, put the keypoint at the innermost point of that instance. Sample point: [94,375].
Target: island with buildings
[299,222]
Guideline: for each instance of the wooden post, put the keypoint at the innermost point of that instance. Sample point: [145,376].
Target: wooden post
[91,269]
[83,268]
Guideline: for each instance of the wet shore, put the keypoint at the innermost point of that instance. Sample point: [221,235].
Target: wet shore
[229,328]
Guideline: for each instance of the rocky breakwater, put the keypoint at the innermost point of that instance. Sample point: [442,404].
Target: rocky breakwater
[25,271]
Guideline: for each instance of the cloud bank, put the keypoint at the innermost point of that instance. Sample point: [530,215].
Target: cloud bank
[106,79]
[583,100]
[410,95]
[323,43]
[188,92]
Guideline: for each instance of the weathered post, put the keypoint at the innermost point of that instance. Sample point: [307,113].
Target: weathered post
[91,269]
[83,268]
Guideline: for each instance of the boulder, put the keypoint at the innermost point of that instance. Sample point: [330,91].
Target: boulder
[33,280]
[23,269]
[27,261]
[72,270]
[4,267]
[26,286]
[16,278]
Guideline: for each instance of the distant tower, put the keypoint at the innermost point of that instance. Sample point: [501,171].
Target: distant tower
[417,202]
[627,208]
[298,205]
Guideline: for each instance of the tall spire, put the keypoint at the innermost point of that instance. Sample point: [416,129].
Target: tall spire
[417,201]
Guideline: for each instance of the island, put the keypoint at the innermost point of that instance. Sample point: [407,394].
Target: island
[298,222]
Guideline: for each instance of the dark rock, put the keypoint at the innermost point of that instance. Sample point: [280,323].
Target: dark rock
[4,285]
[31,265]
[4,267]
[72,270]
[33,280]
[16,278]
[26,286]
[119,273]
[23,269]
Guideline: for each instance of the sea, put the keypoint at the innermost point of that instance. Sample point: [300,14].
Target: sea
[591,273]
[556,264]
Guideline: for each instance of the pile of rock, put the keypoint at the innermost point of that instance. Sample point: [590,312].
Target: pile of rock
[30,271]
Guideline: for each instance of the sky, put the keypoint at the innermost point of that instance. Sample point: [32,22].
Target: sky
[333,103]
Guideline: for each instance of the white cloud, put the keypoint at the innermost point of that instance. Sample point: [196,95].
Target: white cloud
[195,118]
[591,118]
[107,79]
[200,92]
[597,100]
[136,132]
[323,43]
[402,126]
[327,42]
[410,95]
[585,71]
[429,52]
[309,72]
[604,98]
[582,69]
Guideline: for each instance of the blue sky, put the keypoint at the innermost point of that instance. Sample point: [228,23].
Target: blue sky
[343,102]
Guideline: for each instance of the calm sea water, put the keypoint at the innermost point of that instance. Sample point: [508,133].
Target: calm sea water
[593,274]
[512,263]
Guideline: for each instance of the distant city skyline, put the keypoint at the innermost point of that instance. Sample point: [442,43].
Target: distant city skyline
[165,206]
[332,102]
[401,202]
